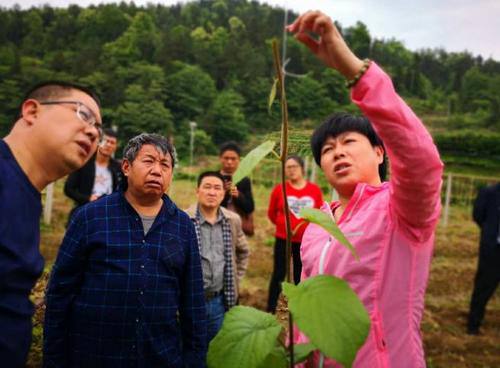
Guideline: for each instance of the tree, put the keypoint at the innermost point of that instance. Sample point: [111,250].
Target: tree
[308,99]
[226,120]
[10,97]
[140,114]
[190,92]
[139,42]
[359,39]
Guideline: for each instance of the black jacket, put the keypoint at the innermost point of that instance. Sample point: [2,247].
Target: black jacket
[79,185]
[244,202]
[487,215]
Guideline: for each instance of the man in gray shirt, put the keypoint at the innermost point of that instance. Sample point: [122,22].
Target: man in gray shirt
[223,248]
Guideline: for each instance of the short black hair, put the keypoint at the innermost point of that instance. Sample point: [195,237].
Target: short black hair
[229,146]
[56,88]
[339,123]
[209,173]
[298,160]
[110,132]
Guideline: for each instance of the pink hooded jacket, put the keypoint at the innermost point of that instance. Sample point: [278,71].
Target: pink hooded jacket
[392,228]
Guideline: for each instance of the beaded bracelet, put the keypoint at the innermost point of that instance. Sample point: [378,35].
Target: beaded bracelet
[351,83]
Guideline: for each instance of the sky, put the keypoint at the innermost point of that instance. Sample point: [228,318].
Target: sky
[455,25]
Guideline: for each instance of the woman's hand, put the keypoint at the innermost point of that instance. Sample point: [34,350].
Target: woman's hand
[330,47]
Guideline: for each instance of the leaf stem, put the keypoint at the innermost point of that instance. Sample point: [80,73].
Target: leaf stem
[283,156]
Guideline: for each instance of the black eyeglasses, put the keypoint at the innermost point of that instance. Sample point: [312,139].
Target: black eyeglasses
[83,113]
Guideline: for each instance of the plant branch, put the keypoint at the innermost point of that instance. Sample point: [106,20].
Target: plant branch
[284,153]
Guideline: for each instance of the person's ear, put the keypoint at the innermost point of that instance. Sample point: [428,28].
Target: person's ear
[379,151]
[125,167]
[30,109]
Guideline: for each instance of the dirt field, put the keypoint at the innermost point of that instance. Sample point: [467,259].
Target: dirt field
[443,325]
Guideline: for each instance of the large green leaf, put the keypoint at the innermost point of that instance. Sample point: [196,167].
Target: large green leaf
[277,359]
[251,160]
[248,336]
[302,351]
[327,310]
[320,218]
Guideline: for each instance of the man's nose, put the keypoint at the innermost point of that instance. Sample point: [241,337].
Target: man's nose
[92,132]
[156,168]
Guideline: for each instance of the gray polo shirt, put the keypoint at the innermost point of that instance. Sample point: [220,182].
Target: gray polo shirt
[212,253]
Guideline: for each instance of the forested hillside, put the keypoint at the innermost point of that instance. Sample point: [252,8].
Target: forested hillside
[159,67]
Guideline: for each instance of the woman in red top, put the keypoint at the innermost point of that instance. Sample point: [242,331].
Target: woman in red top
[300,194]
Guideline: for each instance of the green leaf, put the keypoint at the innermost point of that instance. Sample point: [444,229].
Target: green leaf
[302,351]
[277,359]
[272,95]
[328,311]
[320,218]
[251,160]
[248,336]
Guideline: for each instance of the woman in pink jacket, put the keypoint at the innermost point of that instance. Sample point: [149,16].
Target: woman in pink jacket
[391,224]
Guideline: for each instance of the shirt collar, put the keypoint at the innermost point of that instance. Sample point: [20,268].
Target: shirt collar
[201,219]
[167,209]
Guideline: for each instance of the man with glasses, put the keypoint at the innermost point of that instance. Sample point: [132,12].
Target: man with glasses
[100,176]
[57,131]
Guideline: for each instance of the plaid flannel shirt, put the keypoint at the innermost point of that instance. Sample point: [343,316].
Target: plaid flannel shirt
[119,298]
[229,287]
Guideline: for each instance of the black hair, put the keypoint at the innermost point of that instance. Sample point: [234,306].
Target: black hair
[229,146]
[298,160]
[209,173]
[339,123]
[55,88]
[110,132]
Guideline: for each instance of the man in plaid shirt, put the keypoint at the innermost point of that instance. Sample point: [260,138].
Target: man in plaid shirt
[223,248]
[127,288]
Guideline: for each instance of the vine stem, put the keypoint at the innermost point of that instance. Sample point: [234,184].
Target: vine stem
[283,156]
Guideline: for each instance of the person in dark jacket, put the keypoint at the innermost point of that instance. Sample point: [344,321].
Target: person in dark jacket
[57,131]
[126,289]
[486,214]
[100,176]
[239,197]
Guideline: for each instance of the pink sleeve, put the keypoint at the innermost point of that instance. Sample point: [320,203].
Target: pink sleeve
[415,166]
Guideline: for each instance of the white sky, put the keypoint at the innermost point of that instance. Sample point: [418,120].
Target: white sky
[455,25]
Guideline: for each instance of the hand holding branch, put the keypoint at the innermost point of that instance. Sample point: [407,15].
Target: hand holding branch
[330,47]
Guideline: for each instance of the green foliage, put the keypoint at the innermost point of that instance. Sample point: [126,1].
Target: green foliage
[226,120]
[302,351]
[327,310]
[359,40]
[276,359]
[469,143]
[326,222]
[307,98]
[9,94]
[141,114]
[138,42]
[203,144]
[247,337]
[334,84]
[195,58]
[190,92]
[251,160]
